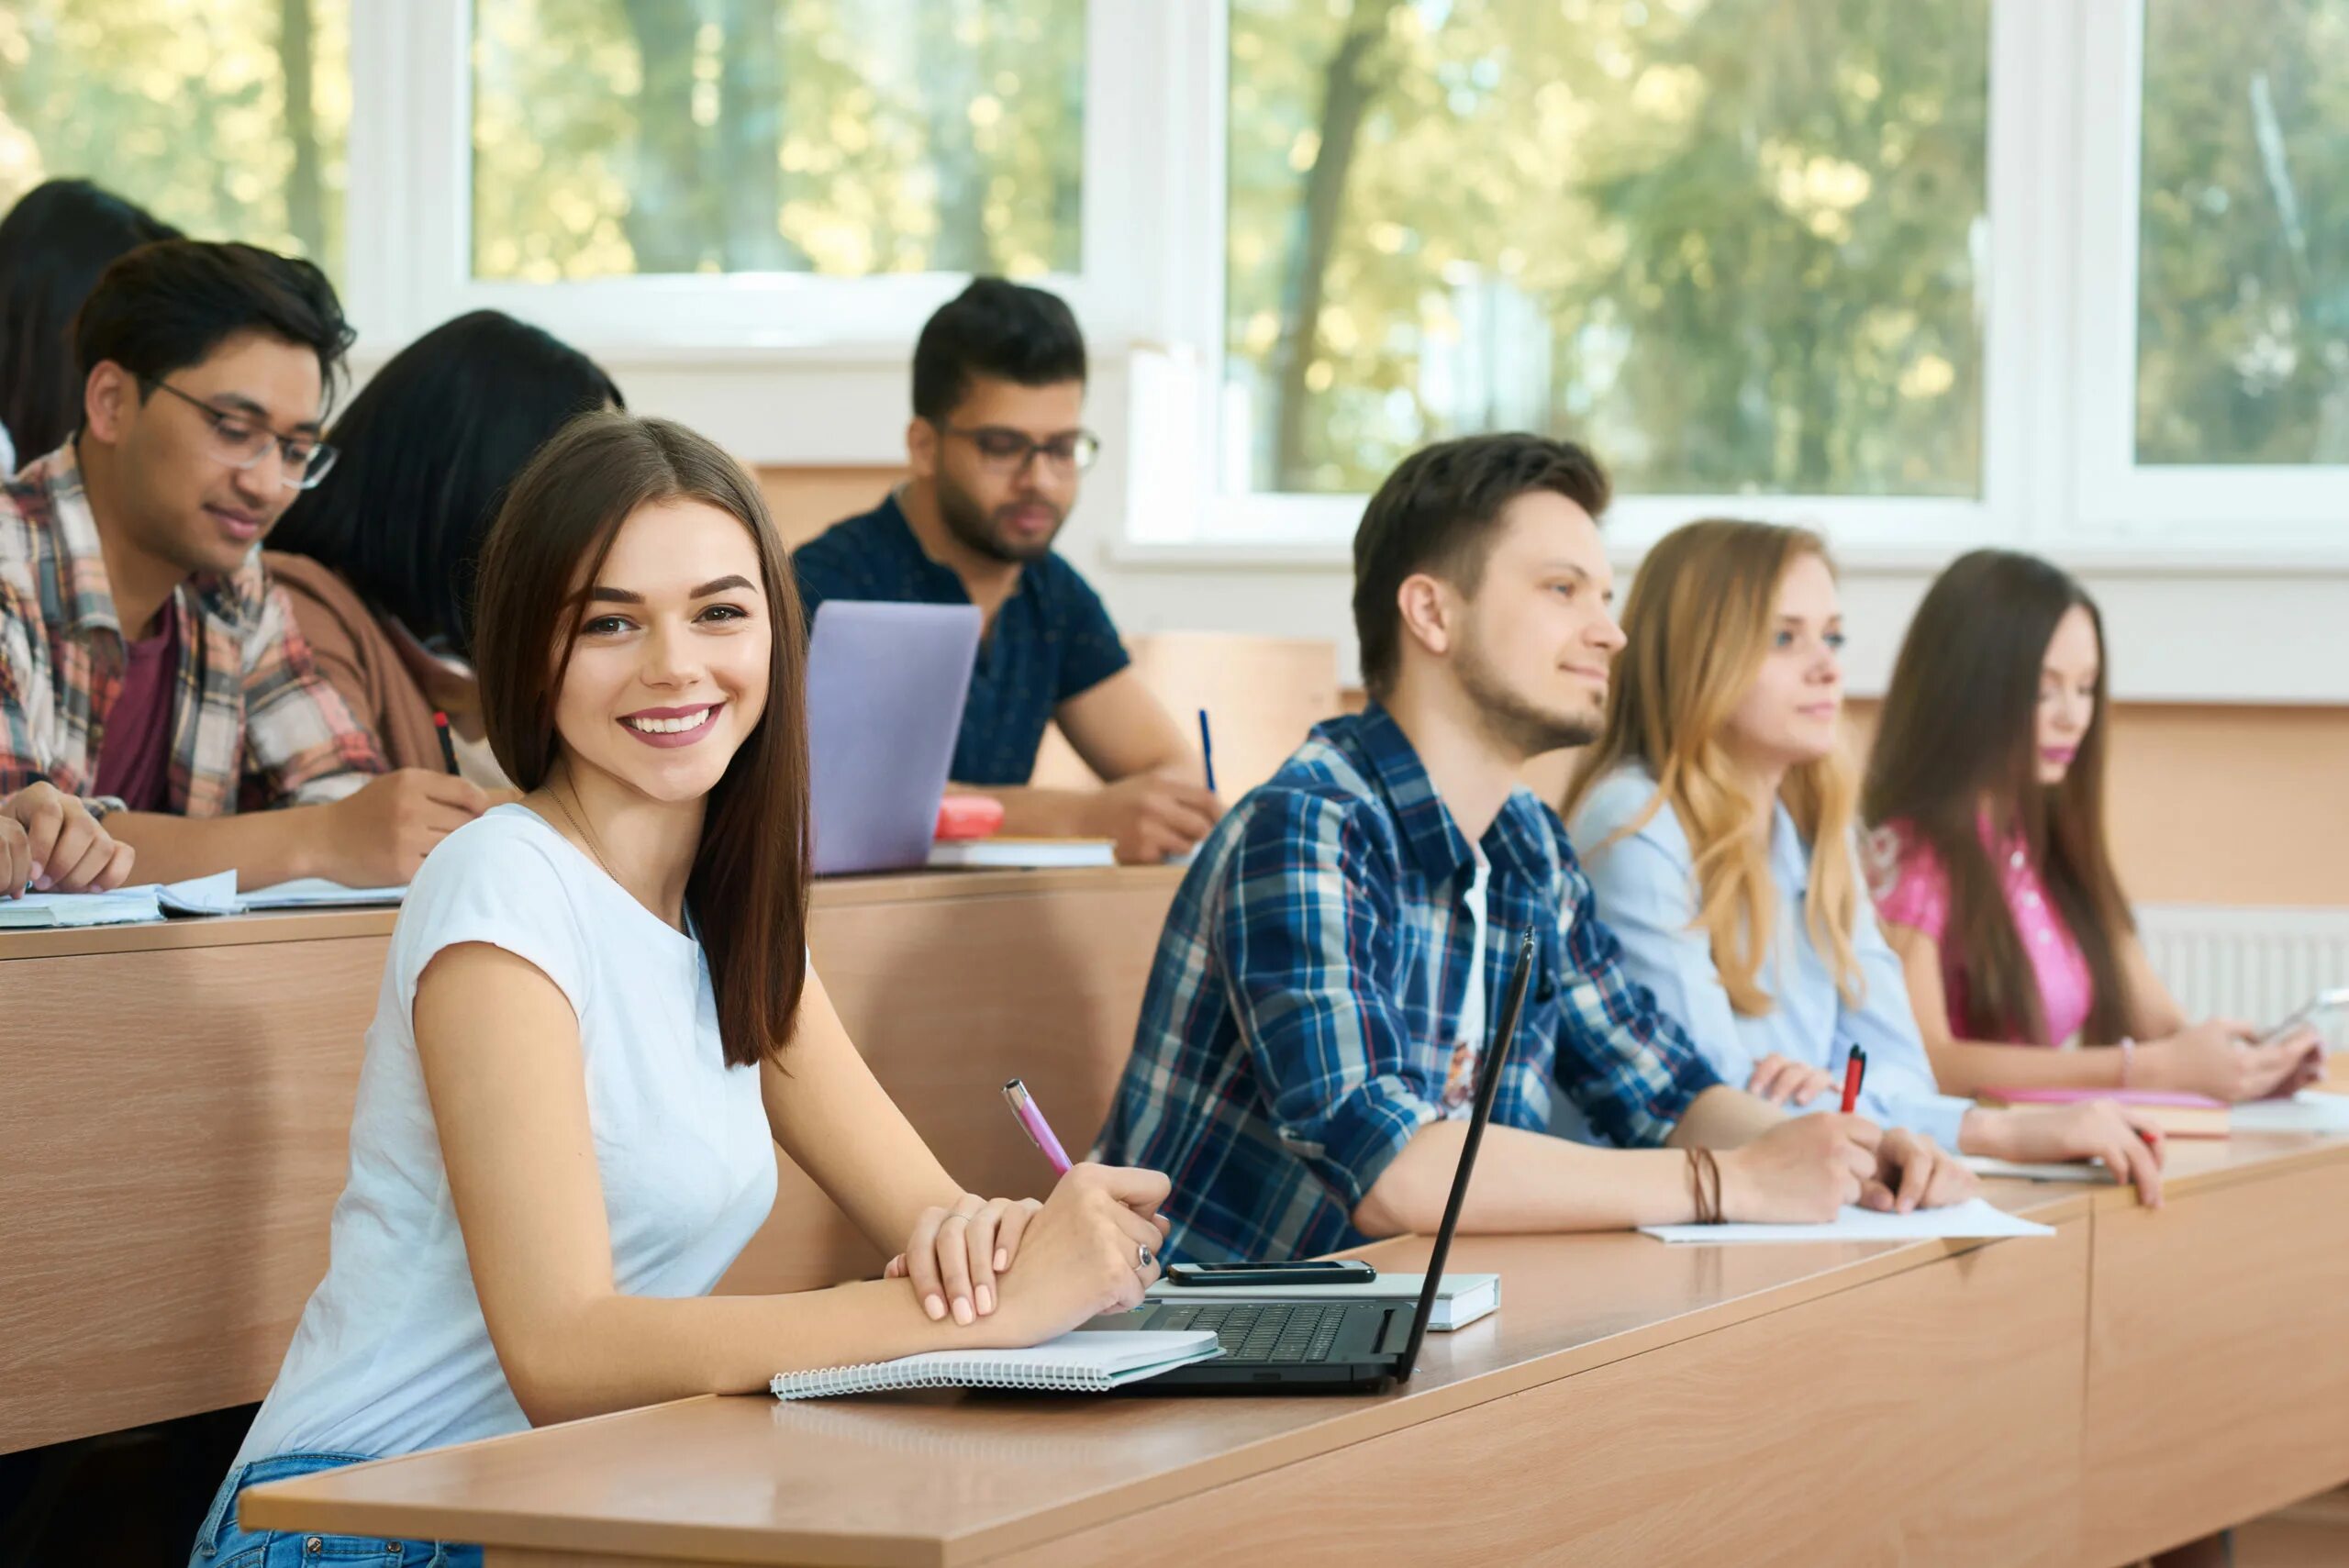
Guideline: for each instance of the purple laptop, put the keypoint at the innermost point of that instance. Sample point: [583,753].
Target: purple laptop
[886,687]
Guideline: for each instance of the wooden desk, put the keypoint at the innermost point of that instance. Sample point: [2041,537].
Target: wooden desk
[2217,1390]
[1630,1403]
[175,1111]
[2019,1402]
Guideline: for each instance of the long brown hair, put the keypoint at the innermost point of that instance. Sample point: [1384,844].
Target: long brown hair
[1958,738]
[1697,629]
[748,889]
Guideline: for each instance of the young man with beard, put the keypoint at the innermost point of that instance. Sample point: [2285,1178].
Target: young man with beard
[1321,1000]
[149,668]
[996,446]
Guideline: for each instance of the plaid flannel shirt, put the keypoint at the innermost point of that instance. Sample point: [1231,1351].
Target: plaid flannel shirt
[253,721]
[1299,1024]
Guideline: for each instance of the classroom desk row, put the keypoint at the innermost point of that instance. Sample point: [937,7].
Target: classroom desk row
[175,1103]
[2135,1381]
[175,1111]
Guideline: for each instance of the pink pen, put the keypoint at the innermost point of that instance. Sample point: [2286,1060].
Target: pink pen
[1040,1133]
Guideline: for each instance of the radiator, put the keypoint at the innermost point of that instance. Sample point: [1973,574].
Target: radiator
[2257,964]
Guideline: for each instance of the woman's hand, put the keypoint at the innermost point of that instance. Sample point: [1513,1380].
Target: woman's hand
[957,1254]
[2128,1142]
[1781,1080]
[1093,1248]
[2217,1057]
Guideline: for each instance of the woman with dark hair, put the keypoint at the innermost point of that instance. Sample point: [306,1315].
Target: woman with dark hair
[54,244]
[378,560]
[598,1019]
[1990,866]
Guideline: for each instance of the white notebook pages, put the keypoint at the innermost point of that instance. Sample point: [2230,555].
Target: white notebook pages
[1976,1218]
[1073,1363]
[214,895]
[124,906]
[2029,1171]
[2311,1110]
[1021,854]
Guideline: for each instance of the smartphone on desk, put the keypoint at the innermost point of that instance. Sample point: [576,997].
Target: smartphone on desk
[2326,1013]
[1335,1270]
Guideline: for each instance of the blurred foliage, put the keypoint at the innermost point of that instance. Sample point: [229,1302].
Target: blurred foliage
[846,137]
[1735,245]
[228,118]
[2243,293]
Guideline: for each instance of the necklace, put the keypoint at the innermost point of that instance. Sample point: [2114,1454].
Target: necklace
[580,829]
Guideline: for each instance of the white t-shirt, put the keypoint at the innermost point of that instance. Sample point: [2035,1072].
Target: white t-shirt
[1468,1033]
[391,1354]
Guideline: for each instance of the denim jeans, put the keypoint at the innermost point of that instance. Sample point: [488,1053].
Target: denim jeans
[223,1544]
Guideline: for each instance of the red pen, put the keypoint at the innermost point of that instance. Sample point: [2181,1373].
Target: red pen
[1855,1068]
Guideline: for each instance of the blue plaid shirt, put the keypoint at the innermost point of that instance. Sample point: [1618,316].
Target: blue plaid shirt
[1299,1028]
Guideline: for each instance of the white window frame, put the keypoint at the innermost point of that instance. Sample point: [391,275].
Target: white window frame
[2059,362]
[804,369]
[2285,511]
[410,209]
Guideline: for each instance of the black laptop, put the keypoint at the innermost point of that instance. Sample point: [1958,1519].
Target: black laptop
[1271,1344]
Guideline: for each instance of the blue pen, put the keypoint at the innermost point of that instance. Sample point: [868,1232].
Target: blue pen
[1207,749]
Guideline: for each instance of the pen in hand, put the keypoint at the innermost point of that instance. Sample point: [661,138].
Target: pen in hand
[1855,1069]
[1032,1120]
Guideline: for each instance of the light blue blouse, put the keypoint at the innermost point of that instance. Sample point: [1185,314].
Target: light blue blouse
[1647,895]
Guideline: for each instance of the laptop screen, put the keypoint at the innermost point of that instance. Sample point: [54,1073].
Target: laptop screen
[1488,1078]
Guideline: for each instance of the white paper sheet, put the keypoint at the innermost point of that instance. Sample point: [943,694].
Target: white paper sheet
[2311,1110]
[1976,1218]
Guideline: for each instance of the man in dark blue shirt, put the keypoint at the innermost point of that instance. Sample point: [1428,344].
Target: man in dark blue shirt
[997,446]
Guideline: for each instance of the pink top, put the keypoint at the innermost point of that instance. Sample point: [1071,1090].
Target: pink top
[1912,889]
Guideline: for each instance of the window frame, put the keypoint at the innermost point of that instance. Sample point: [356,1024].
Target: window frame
[2284,511]
[410,221]
[2058,474]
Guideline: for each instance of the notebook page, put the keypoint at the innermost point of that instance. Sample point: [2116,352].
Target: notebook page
[1976,1218]
[1076,1362]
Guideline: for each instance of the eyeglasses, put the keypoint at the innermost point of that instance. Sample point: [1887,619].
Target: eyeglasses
[1009,451]
[241,441]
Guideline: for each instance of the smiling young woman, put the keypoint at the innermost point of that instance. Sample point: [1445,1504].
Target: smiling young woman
[564,1126]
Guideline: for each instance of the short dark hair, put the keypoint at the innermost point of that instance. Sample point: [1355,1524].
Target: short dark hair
[54,244]
[163,307]
[428,448]
[994,327]
[1435,512]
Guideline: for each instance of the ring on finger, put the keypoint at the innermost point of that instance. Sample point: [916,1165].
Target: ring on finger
[1143,1259]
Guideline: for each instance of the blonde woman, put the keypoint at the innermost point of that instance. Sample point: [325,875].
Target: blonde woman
[1715,816]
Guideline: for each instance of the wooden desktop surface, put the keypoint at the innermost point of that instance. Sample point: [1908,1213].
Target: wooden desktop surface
[175,1111]
[2076,1400]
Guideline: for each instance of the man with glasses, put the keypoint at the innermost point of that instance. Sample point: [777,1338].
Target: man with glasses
[996,446]
[148,667]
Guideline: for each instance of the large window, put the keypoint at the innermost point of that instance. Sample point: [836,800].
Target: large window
[613,137]
[1737,245]
[227,118]
[2243,292]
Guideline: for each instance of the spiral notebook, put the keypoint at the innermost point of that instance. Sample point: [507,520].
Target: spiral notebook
[1073,1363]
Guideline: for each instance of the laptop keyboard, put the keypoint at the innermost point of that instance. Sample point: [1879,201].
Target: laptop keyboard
[1267,1331]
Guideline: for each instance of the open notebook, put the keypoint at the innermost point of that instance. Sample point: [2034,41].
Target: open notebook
[1073,1363]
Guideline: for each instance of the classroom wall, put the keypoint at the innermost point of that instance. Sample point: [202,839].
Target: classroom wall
[2212,804]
